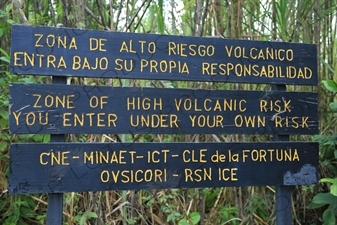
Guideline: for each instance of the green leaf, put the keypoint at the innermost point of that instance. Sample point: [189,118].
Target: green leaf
[183,222]
[4,114]
[83,219]
[328,180]
[169,218]
[10,21]
[3,58]
[3,123]
[4,53]
[78,217]
[3,146]
[333,106]
[92,215]
[333,187]
[6,102]
[46,138]
[195,217]
[327,65]
[29,80]
[330,85]
[324,199]
[2,13]
[329,217]
[176,214]
[9,223]
[38,137]
[160,16]
[9,7]
[13,217]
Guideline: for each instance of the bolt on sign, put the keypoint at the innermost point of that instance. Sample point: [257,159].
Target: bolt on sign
[78,109]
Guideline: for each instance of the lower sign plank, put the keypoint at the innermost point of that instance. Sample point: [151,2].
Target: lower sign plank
[58,109]
[68,167]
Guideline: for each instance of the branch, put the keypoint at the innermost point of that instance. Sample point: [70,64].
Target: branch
[95,18]
[19,7]
[132,20]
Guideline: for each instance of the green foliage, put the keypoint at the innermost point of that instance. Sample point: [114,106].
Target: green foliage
[329,200]
[229,214]
[333,187]
[5,14]
[83,218]
[193,219]
[328,156]
[282,15]
[330,85]
[211,196]
[22,211]
[160,17]
[19,209]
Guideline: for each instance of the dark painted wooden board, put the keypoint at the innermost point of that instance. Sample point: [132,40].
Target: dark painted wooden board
[87,53]
[50,108]
[172,165]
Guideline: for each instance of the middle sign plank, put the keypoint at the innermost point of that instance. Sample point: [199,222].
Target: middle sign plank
[58,109]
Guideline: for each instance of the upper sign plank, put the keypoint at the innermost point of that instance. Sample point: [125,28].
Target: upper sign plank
[88,53]
[58,109]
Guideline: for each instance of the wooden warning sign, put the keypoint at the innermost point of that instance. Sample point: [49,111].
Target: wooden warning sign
[73,109]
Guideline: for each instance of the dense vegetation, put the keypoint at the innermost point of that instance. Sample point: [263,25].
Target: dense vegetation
[307,21]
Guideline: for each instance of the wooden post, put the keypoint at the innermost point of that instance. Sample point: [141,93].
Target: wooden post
[55,200]
[283,193]
[283,205]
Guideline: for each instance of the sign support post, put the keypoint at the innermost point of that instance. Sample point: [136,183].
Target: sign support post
[55,200]
[283,205]
[283,193]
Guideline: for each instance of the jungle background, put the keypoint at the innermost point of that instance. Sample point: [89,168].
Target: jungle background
[304,21]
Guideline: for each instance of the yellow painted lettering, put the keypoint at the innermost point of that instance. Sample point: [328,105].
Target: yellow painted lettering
[39,37]
[42,162]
